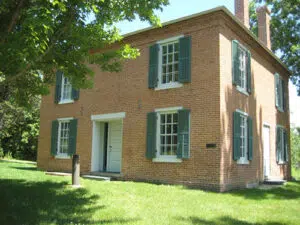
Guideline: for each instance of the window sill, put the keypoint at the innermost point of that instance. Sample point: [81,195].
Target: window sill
[280,109]
[282,163]
[241,90]
[63,156]
[243,162]
[168,86]
[66,101]
[167,160]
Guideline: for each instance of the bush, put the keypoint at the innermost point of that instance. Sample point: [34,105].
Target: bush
[20,130]
[1,152]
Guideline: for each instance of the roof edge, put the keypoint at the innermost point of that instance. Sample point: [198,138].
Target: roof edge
[227,12]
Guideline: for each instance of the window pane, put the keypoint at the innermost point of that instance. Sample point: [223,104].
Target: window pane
[168,152]
[162,150]
[176,67]
[174,139]
[164,80]
[162,118]
[162,129]
[164,69]
[167,78]
[176,47]
[169,129]
[168,140]
[169,118]
[175,129]
[162,140]
[170,58]
[170,68]
[164,49]
[170,48]
[174,149]
[164,59]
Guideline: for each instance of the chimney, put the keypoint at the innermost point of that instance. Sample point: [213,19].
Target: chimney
[263,22]
[242,11]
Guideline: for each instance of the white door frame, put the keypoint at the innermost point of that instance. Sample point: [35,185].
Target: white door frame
[96,132]
[266,165]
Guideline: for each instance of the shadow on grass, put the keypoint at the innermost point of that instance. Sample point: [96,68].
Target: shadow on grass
[225,220]
[289,191]
[48,203]
[24,168]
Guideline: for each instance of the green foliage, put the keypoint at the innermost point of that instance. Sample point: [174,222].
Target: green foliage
[295,147]
[19,130]
[38,37]
[1,152]
[285,31]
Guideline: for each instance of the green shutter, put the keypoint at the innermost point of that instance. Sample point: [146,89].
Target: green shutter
[153,66]
[75,94]
[72,137]
[151,135]
[278,152]
[236,135]
[285,153]
[185,60]
[236,72]
[283,95]
[59,75]
[54,137]
[249,72]
[277,89]
[250,138]
[183,146]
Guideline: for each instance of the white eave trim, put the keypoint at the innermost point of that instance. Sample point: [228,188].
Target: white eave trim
[109,116]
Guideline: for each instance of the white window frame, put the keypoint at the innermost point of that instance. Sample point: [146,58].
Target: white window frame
[164,158]
[243,70]
[65,101]
[160,85]
[280,98]
[58,153]
[244,159]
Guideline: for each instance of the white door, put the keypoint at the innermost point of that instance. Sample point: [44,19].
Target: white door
[266,139]
[114,146]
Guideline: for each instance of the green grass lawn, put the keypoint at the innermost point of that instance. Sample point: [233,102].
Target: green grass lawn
[28,196]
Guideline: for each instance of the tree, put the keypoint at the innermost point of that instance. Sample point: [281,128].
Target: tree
[20,130]
[39,37]
[295,146]
[285,31]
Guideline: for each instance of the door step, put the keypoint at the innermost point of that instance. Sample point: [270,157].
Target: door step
[274,181]
[106,174]
[94,177]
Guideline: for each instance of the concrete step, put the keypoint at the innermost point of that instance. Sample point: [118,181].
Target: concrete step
[274,181]
[106,174]
[94,177]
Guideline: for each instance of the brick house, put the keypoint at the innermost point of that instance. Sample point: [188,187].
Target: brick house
[206,104]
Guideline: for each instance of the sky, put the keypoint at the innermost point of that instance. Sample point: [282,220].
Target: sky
[178,8]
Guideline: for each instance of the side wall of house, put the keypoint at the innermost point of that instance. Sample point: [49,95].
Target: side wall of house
[128,92]
[260,105]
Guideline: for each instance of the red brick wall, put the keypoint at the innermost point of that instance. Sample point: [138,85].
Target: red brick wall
[260,105]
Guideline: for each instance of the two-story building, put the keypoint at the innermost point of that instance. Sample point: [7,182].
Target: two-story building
[205,104]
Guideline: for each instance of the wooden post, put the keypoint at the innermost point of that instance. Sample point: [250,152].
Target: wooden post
[75,170]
